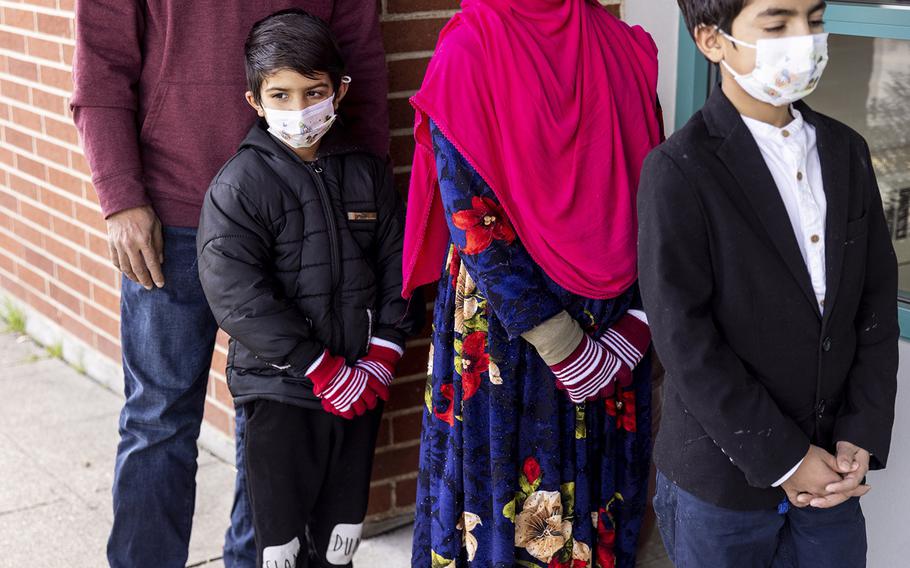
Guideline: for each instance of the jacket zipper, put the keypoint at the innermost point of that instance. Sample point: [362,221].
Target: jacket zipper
[316,173]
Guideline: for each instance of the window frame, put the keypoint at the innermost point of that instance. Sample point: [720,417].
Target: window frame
[889,21]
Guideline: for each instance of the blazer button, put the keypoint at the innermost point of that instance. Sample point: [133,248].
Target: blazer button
[826,344]
[820,408]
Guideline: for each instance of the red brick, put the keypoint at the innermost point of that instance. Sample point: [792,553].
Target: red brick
[415,360]
[14,90]
[9,201]
[79,163]
[65,131]
[25,69]
[7,157]
[384,438]
[380,499]
[4,111]
[38,260]
[65,181]
[44,49]
[217,417]
[401,114]
[407,74]
[403,6]
[23,186]
[35,215]
[68,5]
[19,18]
[406,395]
[405,492]
[51,151]
[20,139]
[32,278]
[406,428]
[11,41]
[56,201]
[219,361]
[31,167]
[222,394]
[32,237]
[68,51]
[392,463]
[67,299]
[45,3]
[102,320]
[98,245]
[77,282]
[39,301]
[402,151]
[7,266]
[49,101]
[91,217]
[54,77]
[58,26]
[108,348]
[411,35]
[26,119]
[105,273]
[69,231]
[60,251]
[105,299]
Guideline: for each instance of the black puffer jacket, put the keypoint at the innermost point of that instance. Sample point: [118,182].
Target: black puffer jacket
[295,257]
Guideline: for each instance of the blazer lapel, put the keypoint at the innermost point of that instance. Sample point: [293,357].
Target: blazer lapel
[834,156]
[741,155]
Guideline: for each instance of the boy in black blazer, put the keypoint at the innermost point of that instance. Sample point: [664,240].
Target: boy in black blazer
[770,284]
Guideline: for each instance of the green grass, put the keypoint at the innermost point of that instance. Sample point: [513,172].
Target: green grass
[55,351]
[14,318]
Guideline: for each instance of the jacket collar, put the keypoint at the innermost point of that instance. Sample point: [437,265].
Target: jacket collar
[742,156]
[336,142]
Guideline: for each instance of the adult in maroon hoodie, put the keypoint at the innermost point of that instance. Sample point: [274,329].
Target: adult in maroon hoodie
[159,102]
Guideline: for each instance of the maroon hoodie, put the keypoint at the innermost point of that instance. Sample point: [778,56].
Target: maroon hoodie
[159,88]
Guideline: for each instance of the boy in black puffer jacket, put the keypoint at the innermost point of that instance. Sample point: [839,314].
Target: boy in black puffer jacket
[300,257]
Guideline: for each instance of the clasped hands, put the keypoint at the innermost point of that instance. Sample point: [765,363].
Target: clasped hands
[825,481]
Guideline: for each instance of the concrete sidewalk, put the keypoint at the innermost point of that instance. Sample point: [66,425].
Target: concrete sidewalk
[58,439]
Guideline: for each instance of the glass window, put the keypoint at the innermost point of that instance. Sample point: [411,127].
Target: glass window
[867,86]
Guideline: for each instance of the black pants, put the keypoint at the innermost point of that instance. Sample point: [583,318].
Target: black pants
[309,482]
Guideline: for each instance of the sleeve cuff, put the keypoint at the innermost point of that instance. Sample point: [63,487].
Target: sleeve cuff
[787,475]
[379,342]
[555,339]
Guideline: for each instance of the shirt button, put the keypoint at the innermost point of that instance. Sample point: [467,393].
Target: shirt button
[785,133]
[799,176]
[815,238]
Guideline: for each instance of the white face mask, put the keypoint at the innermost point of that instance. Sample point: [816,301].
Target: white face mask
[302,128]
[786,70]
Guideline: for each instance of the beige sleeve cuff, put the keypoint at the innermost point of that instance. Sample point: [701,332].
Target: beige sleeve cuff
[556,338]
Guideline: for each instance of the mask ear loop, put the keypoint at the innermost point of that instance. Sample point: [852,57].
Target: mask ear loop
[346,79]
[734,40]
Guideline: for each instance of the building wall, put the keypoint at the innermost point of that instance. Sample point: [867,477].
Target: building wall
[53,247]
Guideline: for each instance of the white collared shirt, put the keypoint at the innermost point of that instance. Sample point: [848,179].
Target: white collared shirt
[791,154]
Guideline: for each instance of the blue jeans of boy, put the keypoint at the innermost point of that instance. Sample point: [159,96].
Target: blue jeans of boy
[698,534]
[167,338]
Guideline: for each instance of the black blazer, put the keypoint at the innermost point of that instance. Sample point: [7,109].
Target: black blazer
[754,371]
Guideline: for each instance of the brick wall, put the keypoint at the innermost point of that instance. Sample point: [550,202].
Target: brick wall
[53,251]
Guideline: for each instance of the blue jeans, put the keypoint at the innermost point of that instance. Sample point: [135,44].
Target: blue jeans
[167,338]
[697,534]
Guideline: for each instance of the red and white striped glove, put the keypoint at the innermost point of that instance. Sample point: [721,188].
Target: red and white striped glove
[379,363]
[629,339]
[587,372]
[344,390]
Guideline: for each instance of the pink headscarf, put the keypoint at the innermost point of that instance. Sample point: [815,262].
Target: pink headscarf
[554,103]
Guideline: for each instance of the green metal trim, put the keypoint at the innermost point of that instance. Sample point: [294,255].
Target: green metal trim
[692,77]
[903,319]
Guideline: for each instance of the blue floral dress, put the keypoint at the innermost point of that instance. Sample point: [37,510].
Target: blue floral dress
[511,472]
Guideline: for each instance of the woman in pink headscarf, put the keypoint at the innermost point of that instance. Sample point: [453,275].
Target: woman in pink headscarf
[532,124]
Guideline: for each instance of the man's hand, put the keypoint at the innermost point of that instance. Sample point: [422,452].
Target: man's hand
[852,463]
[137,245]
[817,472]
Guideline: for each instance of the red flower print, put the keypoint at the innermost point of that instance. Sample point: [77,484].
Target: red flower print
[622,406]
[474,361]
[454,267]
[606,539]
[482,224]
[555,562]
[531,470]
[447,416]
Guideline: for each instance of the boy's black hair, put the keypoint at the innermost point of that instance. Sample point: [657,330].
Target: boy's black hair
[720,13]
[291,39]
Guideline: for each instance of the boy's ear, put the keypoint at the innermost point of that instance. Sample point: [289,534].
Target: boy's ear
[342,91]
[707,38]
[251,100]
